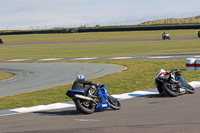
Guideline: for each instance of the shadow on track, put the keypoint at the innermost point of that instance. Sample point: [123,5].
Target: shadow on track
[158,96]
[67,112]
[150,96]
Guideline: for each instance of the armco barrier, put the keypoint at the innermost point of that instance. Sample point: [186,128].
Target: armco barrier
[139,28]
[39,32]
[106,29]
[192,64]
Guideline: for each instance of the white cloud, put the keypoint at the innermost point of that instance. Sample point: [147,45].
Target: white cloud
[15,13]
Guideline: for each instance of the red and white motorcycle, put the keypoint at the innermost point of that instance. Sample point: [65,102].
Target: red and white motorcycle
[172,83]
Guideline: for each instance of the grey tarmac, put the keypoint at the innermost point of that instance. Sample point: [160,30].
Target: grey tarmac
[36,76]
[149,114]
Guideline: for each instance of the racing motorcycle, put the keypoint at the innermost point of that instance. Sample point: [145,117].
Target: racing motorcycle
[165,36]
[87,102]
[172,84]
[1,41]
[198,34]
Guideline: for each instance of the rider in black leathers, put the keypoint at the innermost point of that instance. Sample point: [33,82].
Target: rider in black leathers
[80,83]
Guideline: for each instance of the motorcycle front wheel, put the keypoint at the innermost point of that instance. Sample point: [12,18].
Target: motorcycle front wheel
[191,90]
[114,103]
[84,106]
[170,90]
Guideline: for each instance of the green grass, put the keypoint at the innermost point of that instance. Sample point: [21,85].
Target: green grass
[138,76]
[95,36]
[6,75]
[96,49]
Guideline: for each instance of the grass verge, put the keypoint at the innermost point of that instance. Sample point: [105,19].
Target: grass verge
[138,76]
[6,75]
[96,36]
[96,49]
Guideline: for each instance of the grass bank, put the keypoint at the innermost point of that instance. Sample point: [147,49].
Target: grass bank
[96,49]
[95,36]
[138,76]
[6,75]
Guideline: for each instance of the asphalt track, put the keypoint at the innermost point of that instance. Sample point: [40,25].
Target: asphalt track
[106,41]
[36,76]
[148,114]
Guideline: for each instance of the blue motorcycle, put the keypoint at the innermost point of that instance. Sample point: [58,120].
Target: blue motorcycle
[86,102]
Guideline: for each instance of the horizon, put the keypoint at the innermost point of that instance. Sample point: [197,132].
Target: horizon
[48,14]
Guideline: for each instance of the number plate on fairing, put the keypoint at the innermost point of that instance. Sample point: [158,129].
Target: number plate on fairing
[104,105]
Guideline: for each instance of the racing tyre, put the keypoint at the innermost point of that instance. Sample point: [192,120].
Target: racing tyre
[84,106]
[160,90]
[114,103]
[191,90]
[170,89]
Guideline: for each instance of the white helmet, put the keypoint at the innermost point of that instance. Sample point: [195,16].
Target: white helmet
[80,77]
[162,72]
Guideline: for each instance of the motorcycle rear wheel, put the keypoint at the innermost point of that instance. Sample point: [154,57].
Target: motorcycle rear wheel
[172,92]
[114,103]
[84,106]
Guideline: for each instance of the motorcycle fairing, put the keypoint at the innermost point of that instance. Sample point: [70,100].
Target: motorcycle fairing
[71,92]
[102,93]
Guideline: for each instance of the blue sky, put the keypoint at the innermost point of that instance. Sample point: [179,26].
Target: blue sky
[26,14]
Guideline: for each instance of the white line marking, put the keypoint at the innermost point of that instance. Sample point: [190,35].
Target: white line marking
[50,59]
[164,57]
[85,120]
[95,58]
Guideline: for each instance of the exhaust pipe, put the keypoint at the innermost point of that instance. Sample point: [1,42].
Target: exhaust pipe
[84,98]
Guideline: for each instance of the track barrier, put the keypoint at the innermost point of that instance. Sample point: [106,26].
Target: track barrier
[197,64]
[192,64]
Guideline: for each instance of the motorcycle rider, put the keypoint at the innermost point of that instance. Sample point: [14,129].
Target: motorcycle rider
[161,72]
[80,84]
[163,34]
[164,74]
